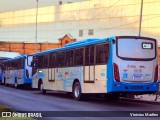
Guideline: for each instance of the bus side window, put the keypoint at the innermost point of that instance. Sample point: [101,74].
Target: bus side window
[92,55]
[81,56]
[63,58]
[69,58]
[52,60]
[60,59]
[78,57]
[45,60]
[102,53]
[87,56]
[40,61]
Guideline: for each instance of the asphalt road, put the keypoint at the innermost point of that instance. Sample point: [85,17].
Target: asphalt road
[32,100]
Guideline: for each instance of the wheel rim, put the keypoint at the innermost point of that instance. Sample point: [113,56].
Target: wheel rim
[76,91]
[15,84]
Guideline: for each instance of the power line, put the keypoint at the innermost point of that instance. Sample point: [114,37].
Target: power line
[126,24]
[91,18]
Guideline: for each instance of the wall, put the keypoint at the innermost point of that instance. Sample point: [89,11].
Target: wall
[105,17]
[29,48]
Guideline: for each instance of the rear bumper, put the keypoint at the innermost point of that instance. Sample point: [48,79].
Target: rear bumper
[27,81]
[132,87]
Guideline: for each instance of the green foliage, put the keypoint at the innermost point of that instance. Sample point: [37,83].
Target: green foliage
[4,108]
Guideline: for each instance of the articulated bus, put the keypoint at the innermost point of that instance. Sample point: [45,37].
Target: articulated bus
[17,72]
[110,66]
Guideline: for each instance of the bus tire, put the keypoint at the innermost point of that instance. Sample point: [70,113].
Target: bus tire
[77,95]
[41,88]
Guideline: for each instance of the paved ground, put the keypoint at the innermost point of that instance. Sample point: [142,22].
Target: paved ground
[31,100]
[148,97]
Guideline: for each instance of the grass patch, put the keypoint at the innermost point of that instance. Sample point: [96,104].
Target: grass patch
[16,118]
[4,108]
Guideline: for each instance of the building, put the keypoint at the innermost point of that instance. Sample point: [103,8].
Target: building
[85,19]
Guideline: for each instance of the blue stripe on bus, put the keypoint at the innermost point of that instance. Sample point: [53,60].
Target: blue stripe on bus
[110,68]
[131,87]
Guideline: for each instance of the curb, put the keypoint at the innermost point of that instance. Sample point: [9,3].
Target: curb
[140,101]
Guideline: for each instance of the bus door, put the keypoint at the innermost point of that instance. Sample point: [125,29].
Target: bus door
[34,65]
[8,73]
[89,67]
[51,70]
[32,61]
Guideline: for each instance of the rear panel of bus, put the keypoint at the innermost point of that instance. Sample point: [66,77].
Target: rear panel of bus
[17,71]
[135,65]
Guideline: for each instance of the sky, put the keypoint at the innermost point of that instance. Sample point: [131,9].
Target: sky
[11,5]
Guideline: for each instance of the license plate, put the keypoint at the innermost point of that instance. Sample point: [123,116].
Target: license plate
[137,76]
[137,87]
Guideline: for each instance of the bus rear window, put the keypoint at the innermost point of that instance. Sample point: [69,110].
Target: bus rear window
[136,49]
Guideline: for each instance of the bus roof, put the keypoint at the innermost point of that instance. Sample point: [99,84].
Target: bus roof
[86,42]
[77,44]
[18,57]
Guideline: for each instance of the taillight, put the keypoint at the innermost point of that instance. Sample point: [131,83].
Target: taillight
[156,74]
[27,74]
[116,73]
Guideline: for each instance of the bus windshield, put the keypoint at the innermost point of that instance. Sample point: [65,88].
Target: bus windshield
[136,49]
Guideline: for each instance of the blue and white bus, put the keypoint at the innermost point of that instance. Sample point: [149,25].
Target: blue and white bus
[109,66]
[17,72]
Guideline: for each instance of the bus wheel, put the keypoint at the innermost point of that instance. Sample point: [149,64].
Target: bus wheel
[42,89]
[77,91]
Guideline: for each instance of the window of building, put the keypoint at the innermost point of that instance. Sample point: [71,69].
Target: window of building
[90,32]
[80,33]
[66,42]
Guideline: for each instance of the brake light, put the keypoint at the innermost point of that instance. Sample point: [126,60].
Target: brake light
[156,74]
[27,74]
[117,37]
[116,73]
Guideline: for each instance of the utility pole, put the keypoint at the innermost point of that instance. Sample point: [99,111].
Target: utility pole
[140,21]
[35,46]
